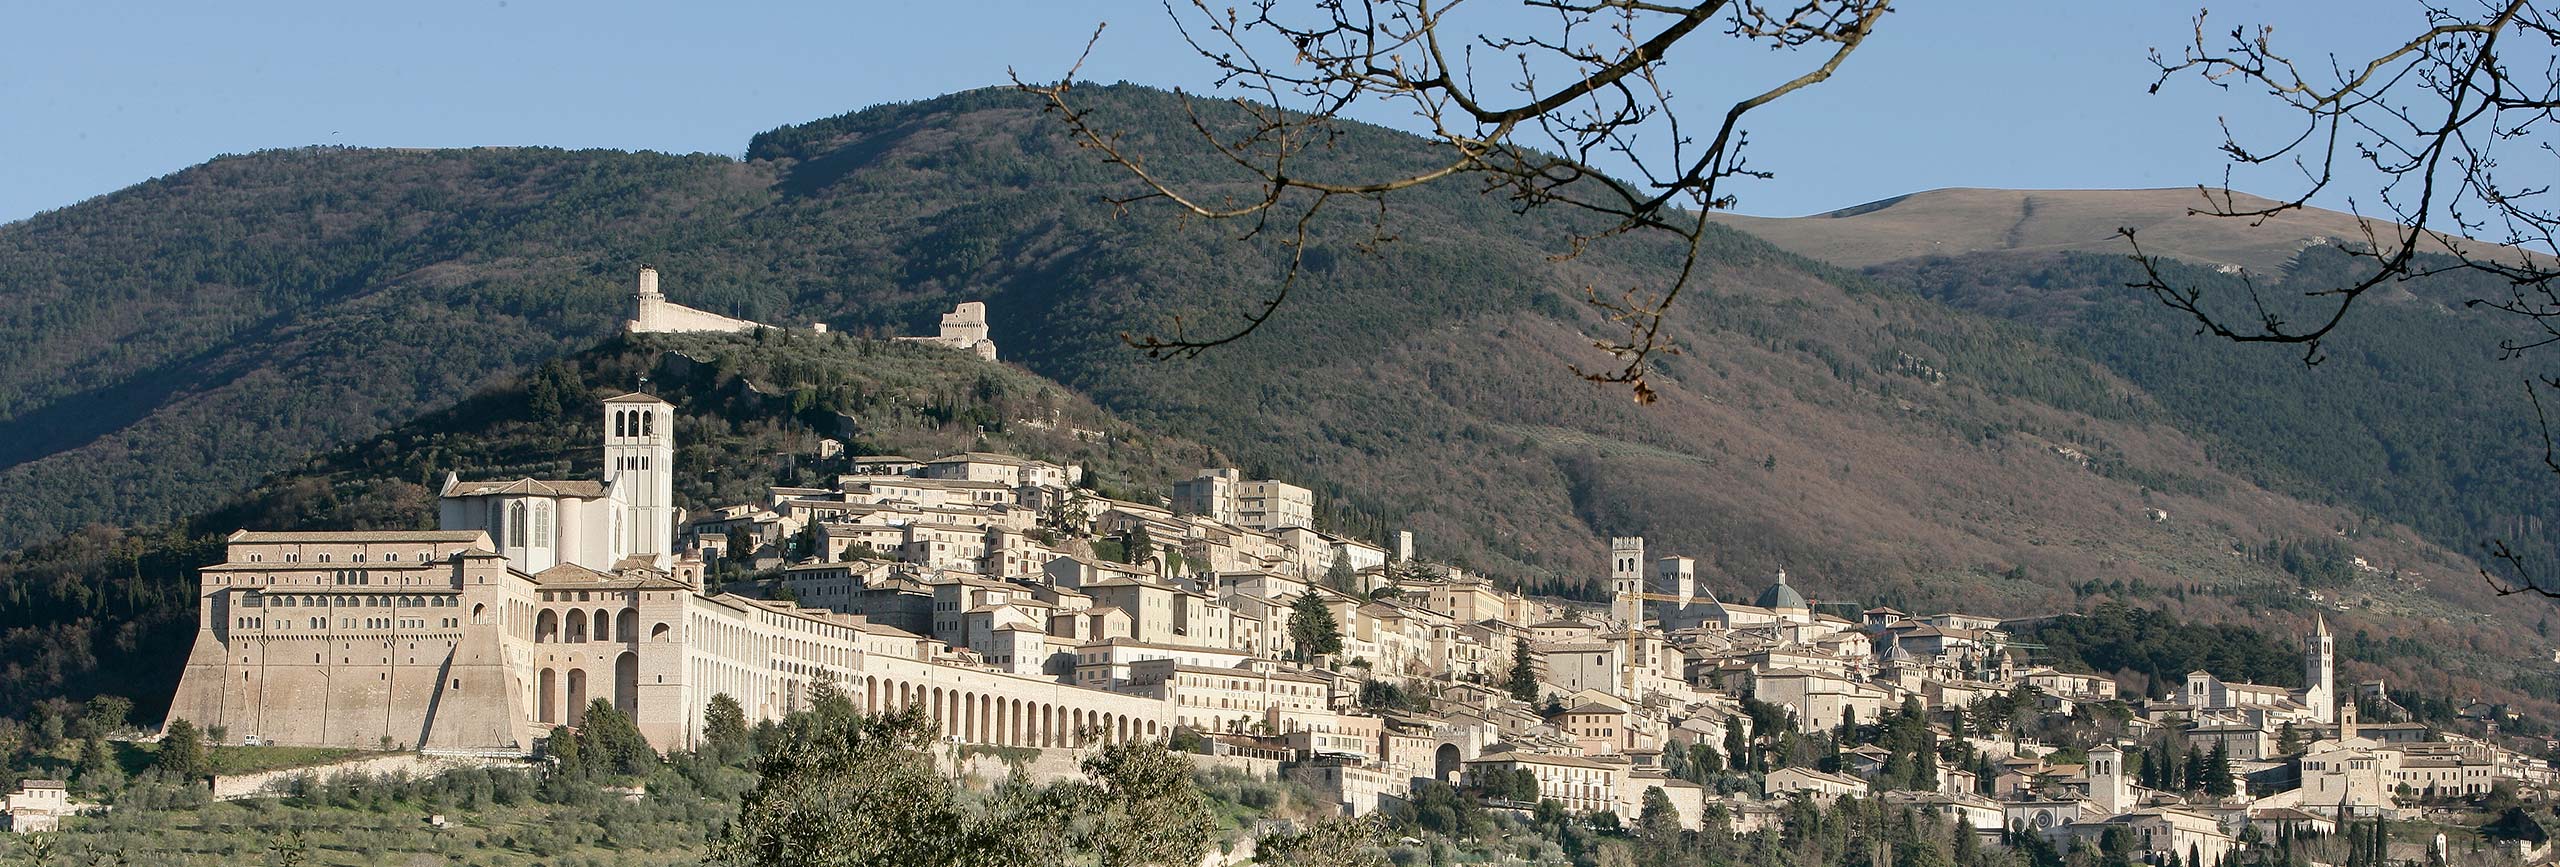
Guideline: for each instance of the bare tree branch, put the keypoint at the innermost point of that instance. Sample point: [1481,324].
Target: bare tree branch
[2429,118]
[2432,118]
[1582,92]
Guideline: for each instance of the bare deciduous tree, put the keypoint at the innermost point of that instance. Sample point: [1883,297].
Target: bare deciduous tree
[1534,113]
[2419,136]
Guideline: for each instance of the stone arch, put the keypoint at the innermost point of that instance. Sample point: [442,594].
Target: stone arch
[547,696]
[546,626]
[577,710]
[626,626]
[658,632]
[478,610]
[602,626]
[626,684]
[1445,763]
[574,628]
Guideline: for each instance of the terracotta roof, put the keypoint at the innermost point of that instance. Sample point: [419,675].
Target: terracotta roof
[353,536]
[531,487]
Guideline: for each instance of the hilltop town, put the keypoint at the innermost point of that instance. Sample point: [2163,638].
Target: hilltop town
[1020,608]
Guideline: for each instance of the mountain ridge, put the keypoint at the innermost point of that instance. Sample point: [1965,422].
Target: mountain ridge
[1954,221]
[1877,443]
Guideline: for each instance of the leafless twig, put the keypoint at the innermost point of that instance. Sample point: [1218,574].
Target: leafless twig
[1582,91]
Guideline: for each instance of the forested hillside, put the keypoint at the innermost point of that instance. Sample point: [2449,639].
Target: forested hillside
[2412,416]
[1880,445]
[114,610]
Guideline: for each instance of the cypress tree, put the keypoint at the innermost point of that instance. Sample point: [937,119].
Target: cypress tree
[1524,675]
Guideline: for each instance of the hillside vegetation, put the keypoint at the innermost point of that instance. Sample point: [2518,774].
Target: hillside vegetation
[114,610]
[1881,445]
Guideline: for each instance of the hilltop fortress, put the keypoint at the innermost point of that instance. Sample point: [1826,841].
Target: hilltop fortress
[964,328]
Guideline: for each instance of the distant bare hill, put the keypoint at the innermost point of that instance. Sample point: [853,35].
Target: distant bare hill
[1954,222]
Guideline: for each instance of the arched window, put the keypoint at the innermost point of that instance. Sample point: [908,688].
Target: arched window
[515,521]
[617,423]
[542,523]
[648,424]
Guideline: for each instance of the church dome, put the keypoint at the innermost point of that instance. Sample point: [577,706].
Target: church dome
[1780,595]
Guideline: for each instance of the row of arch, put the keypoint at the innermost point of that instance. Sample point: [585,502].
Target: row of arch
[552,707]
[982,718]
[634,423]
[550,626]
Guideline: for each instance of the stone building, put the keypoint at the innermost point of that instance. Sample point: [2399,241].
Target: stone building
[654,314]
[433,640]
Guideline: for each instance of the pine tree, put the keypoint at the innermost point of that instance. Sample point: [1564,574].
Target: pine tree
[1737,742]
[1313,627]
[724,728]
[98,770]
[1660,820]
[1138,546]
[805,545]
[1706,761]
[181,751]
[1524,673]
[611,744]
[2218,769]
[562,745]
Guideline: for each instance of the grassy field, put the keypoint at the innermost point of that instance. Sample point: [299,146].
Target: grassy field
[357,827]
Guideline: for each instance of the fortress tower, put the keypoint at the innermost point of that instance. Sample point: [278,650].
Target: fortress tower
[1626,578]
[639,468]
[2320,671]
[652,313]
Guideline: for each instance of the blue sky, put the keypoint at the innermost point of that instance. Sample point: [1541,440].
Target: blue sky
[99,94]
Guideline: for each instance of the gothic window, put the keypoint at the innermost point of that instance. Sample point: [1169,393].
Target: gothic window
[617,423]
[542,524]
[648,424]
[497,524]
[515,521]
